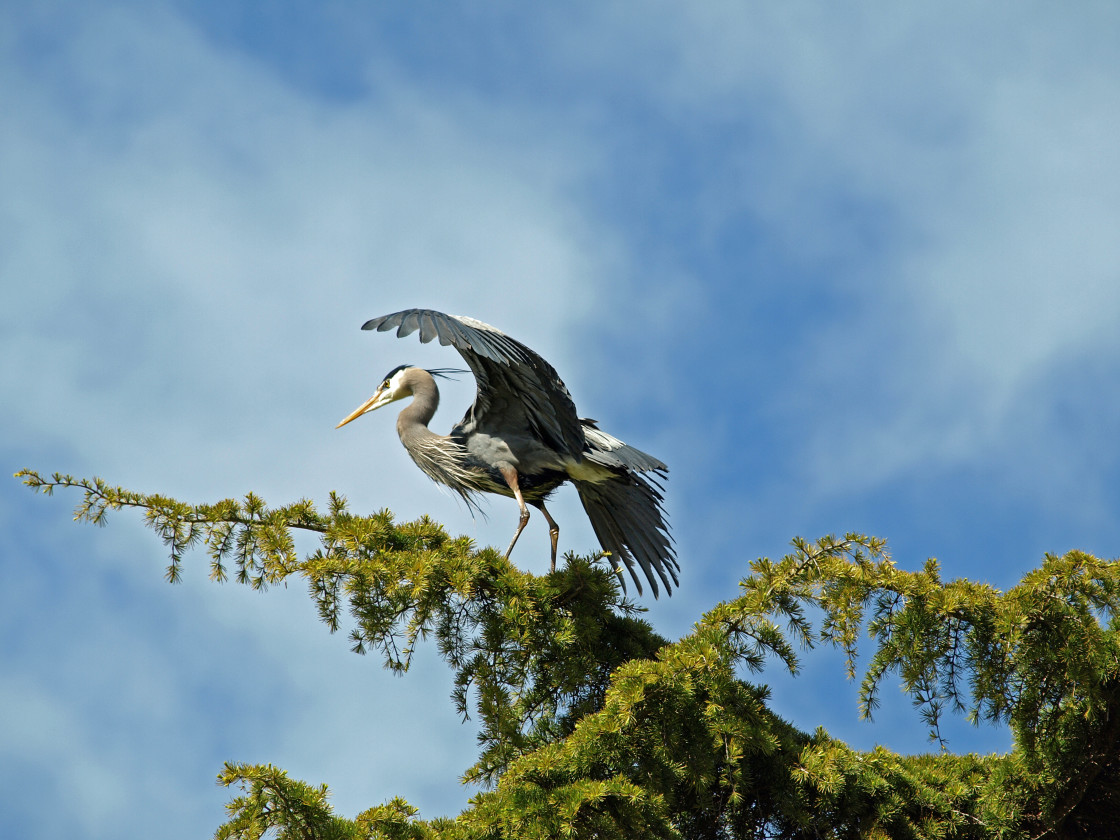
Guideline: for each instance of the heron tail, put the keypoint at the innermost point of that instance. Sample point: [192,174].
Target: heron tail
[626,515]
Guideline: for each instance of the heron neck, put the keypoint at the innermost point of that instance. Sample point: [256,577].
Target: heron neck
[414,418]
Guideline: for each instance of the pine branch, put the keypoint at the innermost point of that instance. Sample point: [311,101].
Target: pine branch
[533,653]
[593,726]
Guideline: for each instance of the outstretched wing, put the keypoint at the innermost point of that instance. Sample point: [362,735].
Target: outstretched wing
[518,391]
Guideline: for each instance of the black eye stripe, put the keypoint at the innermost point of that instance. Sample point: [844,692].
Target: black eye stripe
[395,371]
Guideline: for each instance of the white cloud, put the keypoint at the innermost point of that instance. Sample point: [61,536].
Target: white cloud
[237,234]
[981,139]
[48,733]
[195,247]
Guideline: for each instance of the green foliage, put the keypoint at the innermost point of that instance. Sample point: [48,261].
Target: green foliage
[273,801]
[591,725]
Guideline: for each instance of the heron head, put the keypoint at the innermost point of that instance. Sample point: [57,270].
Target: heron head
[392,388]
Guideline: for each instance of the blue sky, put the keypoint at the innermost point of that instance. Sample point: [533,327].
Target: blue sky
[841,268]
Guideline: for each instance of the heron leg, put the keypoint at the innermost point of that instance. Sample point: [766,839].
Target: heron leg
[553,529]
[510,475]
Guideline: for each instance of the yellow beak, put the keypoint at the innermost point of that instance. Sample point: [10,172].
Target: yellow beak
[373,402]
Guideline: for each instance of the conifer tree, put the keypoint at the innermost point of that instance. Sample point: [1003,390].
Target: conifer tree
[592,725]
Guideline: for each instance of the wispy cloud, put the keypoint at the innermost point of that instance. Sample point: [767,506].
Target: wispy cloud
[195,245]
[805,255]
[947,193]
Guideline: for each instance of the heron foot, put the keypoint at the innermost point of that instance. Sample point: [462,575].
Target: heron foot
[510,475]
[553,529]
[522,522]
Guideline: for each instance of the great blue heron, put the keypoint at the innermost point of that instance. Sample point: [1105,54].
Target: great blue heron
[523,438]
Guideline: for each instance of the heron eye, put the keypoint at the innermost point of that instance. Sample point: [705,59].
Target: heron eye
[385,384]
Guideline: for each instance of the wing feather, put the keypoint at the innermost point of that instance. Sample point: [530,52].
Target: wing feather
[627,518]
[518,391]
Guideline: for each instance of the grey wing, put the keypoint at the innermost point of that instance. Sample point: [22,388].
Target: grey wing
[517,389]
